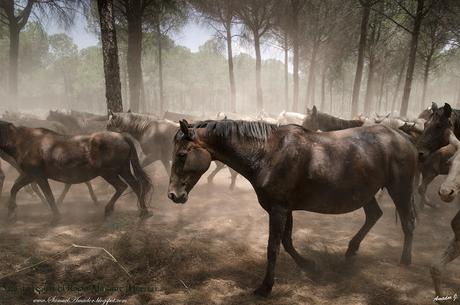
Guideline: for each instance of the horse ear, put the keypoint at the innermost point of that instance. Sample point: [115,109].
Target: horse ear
[447,110]
[184,128]
[129,111]
[314,111]
[434,107]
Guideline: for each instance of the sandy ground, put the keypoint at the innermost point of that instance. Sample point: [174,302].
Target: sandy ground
[210,251]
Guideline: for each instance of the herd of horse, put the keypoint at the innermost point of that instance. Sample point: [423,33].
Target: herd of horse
[313,162]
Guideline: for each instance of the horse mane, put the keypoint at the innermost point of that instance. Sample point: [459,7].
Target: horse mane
[258,131]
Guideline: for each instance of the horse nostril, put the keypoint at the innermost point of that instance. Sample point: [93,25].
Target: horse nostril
[171,196]
[451,192]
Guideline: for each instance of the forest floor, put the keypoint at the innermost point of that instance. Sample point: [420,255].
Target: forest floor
[212,250]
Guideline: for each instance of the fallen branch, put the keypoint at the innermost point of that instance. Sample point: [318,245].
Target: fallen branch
[63,251]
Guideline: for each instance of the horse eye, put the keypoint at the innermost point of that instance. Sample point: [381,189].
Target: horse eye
[182,154]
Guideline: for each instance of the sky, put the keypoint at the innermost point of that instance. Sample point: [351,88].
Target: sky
[191,36]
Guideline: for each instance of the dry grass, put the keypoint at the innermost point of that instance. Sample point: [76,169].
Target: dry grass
[212,251]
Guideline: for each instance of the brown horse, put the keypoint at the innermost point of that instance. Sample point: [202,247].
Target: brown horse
[292,168]
[316,120]
[42,154]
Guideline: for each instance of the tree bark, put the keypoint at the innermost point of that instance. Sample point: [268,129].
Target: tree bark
[286,71]
[231,75]
[310,100]
[295,59]
[323,88]
[360,62]
[260,102]
[160,68]
[110,56]
[14,59]
[412,58]
[426,74]
[398,85]
[369,88]
[134,55]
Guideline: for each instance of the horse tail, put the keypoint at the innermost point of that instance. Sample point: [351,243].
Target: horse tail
[139,173]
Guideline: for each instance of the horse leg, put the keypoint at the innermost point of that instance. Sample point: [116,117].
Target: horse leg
[20,182]
[234,175]
[37,192]
[91,192]
[135,185]
[427,178]
[404,203]
[277,222]
[373,214]
[289,247]
[2,179]
[219,166]
[450,253]
[119,186]
[46,189]
[64,193]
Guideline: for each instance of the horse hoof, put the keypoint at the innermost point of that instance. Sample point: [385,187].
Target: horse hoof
[263,291]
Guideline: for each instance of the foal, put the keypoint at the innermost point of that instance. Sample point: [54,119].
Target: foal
[292,168]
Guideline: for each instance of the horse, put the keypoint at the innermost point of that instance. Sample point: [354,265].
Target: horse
[42,154]
[32,122]
[285,118]
[316,120]
[291,168]
[154,137]
[437,130]
[77,123]
[448,191]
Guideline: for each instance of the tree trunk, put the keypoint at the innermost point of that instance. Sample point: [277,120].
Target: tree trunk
[134,53]
[412,58]
[312,78]
[426,74]
[360,63]
[286,71]
[369,88]
[295,59]
[323,88]
[231,75]
[380,96]
[110,56]
[160,68]
[398,85]
[260,102]
[13,60]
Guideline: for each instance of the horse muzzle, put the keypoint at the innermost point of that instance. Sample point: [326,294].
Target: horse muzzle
[178,198]
[447,195]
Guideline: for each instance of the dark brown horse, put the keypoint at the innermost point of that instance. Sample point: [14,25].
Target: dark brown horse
[316,120]
[42,154]
[441,129]
[292,168]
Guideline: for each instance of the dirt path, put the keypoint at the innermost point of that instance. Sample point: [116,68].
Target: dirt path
[211,251]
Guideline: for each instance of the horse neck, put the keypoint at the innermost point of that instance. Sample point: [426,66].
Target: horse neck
[136,129]
[242,156]
[330,123]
